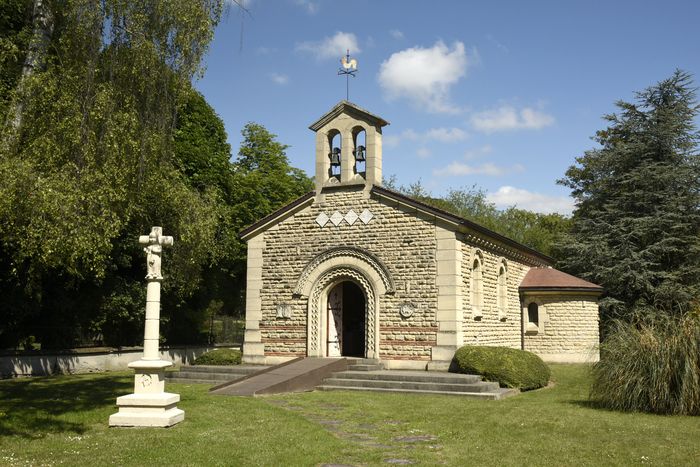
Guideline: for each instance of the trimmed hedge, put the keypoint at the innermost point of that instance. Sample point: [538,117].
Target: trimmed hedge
[511,368]
[219,357]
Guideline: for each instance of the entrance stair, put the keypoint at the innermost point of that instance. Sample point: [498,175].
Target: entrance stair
[300,374]
[415,382]
[211,374]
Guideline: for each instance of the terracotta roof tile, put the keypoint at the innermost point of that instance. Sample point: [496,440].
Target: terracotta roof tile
[552,279]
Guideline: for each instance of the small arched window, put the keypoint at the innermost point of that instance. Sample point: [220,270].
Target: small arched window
[477,288]
[502,292]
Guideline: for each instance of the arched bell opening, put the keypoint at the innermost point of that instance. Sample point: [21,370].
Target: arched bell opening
[346,316]
[335,143]
[359,152]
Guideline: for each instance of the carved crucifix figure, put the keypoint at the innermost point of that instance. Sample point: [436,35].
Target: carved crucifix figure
[155,242]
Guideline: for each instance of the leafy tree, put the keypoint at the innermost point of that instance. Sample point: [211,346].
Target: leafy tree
[637,220]
[264,175]
[89,163]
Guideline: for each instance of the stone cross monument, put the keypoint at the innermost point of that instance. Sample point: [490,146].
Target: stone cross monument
[150,405]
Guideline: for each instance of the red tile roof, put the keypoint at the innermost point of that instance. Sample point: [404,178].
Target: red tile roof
[552,279]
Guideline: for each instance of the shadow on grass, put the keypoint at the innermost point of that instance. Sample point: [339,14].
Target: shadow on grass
[33,407]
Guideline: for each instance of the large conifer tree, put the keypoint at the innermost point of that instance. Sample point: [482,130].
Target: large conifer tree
[636,224]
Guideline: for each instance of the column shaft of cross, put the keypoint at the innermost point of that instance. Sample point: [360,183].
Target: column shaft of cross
[151,333]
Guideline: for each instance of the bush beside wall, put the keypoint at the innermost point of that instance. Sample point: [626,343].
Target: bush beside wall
[220,357]
[511,368]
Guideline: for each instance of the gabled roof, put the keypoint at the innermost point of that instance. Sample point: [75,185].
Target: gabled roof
[548,279]
[350,109]
[399,198]
[460,221]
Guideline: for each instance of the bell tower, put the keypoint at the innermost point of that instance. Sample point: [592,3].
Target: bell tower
[348,148]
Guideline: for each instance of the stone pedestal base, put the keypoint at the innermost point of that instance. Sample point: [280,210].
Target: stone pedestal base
[149,405]
[156,410]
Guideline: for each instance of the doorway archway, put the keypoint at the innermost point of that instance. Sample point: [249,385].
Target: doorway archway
[345,320]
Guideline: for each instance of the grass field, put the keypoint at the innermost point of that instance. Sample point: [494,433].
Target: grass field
[63,421]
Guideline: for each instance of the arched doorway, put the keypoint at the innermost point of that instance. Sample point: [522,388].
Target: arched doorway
[345,321]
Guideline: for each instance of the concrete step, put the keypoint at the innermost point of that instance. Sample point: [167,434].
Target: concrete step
[190,381]
[212,374]
[363,367]
[301,374]
[501,393]
[219,377]
[479,387]
[407,375]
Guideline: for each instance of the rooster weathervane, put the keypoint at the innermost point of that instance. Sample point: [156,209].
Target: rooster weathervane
[348,68]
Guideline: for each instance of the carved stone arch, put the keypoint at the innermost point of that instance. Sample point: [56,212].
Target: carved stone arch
[316,308]
[362,260]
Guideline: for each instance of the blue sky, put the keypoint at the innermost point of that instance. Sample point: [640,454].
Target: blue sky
[502,95]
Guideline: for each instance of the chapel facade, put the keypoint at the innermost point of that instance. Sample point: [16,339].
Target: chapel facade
[355,269]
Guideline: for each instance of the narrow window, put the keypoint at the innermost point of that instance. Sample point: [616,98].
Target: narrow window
[533,314]
[502,297]
[476,289]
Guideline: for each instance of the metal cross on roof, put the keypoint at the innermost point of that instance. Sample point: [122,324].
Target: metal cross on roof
[348,68]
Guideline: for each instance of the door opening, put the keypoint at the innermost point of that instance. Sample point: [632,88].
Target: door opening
[346,321]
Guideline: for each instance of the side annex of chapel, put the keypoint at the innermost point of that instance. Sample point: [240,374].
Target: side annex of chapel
[355,269]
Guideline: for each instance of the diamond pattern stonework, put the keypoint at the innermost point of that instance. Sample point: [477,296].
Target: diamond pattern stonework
[351,217]
[322,219]
[366,216]
[336,218]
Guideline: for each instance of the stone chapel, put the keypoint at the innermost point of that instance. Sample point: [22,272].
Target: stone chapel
[355,269]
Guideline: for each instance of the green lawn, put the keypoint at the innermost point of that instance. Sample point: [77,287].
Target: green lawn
[63,420]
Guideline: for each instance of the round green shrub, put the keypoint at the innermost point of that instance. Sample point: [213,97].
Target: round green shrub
[650,364]
[511,368]
[219,357]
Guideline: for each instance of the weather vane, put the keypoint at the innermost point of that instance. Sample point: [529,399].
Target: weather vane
[348,68]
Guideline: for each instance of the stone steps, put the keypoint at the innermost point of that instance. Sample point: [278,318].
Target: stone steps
[500,394]
[211,374]
[417,382]
[364,364]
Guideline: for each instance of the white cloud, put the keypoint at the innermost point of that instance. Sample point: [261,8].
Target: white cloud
[310,7]
[278,78]
[423,153]
[446,135]
[508,196]
[443,135]
[507,118]
[489,169]
[331,47]
[396,34]
[424,75]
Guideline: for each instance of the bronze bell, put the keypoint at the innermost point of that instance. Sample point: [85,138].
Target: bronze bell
[359,153]
[335,157]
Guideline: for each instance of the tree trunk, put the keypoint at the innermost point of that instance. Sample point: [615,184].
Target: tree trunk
[42,25]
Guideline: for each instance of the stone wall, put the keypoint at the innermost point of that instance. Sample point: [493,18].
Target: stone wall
[85,361]
[568,327]
[403,241]
[493,327]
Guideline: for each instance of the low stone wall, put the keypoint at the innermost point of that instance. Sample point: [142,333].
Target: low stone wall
[82,361]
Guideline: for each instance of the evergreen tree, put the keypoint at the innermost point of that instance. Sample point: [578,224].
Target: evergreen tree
[636,224]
